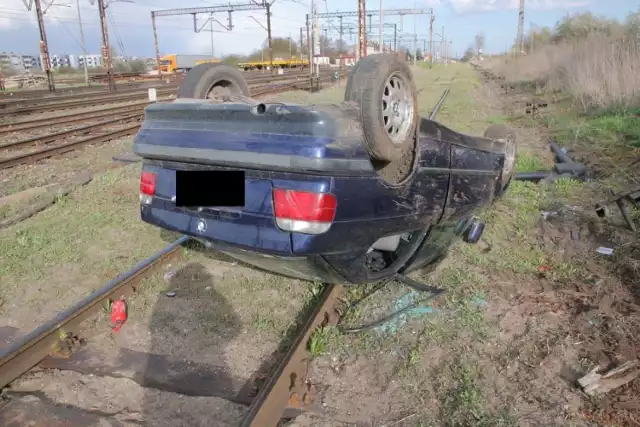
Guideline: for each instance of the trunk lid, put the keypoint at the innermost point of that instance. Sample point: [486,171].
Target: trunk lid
[316,139]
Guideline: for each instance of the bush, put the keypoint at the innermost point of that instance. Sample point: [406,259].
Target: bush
[599,71]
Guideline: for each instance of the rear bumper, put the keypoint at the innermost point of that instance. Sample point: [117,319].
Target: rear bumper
[277,257]
[312,268]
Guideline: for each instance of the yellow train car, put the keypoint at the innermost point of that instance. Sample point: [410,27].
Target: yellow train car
[178,62]
[208,61]
[277,63]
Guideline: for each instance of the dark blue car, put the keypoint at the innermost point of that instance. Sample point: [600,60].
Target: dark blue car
[348,193]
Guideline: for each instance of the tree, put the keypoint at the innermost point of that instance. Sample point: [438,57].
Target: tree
[231,60]
[479,42]
[282,48]
[468,54]
[632,29]
[137,66]
[120,66]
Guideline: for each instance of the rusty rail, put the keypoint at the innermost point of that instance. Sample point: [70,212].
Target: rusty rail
[48,138]
[37,345]
[72,118]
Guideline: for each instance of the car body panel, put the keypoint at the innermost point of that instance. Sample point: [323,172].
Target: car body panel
[317,149]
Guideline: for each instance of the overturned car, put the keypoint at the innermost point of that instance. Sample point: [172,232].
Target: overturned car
[348,194]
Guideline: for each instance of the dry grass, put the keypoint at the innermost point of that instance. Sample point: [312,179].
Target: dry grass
[598,71]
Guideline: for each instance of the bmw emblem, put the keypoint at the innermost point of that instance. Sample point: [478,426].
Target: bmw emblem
[202,226]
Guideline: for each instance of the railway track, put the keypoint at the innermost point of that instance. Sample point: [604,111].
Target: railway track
[6,104]
[70,139]
[284,393]
[71,118]
[29,105]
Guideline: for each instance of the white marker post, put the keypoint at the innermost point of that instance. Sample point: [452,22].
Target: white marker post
[153,96]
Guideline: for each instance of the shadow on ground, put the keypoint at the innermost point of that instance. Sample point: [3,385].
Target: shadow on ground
[190,318]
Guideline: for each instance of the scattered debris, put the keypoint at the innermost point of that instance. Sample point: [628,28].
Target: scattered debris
[546,215]
[604,251]
[594,383]
[169,275]
[170,294]
[564,167]
[622,200]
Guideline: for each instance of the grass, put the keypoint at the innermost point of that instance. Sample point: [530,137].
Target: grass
[597,71]
[450,364]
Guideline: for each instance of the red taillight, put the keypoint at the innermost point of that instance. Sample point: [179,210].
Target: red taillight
[148,183]
[147,187]
[302,211]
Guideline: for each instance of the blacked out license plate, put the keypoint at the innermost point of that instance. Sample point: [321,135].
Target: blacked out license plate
[210,188]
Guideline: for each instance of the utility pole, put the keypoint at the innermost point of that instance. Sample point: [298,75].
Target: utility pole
[315,36]
[380,29]
[268,6]
[309,53]
[155,42]
[395,38]
[44,47]
[443,47]
[362,30]
[106,50]
[340,39]
[433,18]
[520,35]
[301,40]
[84,48]
[323,45]
[211,25]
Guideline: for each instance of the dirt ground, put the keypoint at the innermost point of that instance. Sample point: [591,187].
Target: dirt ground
[527,311]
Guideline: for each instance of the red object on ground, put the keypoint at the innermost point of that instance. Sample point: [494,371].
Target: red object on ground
[118,314]
[544,268]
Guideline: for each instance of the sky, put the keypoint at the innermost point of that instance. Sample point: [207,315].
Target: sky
[130,30]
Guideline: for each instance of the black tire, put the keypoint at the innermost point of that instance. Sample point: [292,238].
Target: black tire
[211,80]
[388,133]
[507,136]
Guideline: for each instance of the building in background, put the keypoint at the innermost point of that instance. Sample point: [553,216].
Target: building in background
[93,61]
[65,60]
[19,62]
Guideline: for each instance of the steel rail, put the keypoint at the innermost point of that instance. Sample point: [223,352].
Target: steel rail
[66,147]
[24,103]
[5,103]
[276,394]
[73,118]
[28,94]
[46,139]
[49,106]
[436,108]
[31,349]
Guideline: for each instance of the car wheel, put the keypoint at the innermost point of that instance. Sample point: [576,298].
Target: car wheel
[382,86]
[507,136]
[208,81]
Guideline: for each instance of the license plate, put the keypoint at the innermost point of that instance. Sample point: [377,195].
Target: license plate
[209,189]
